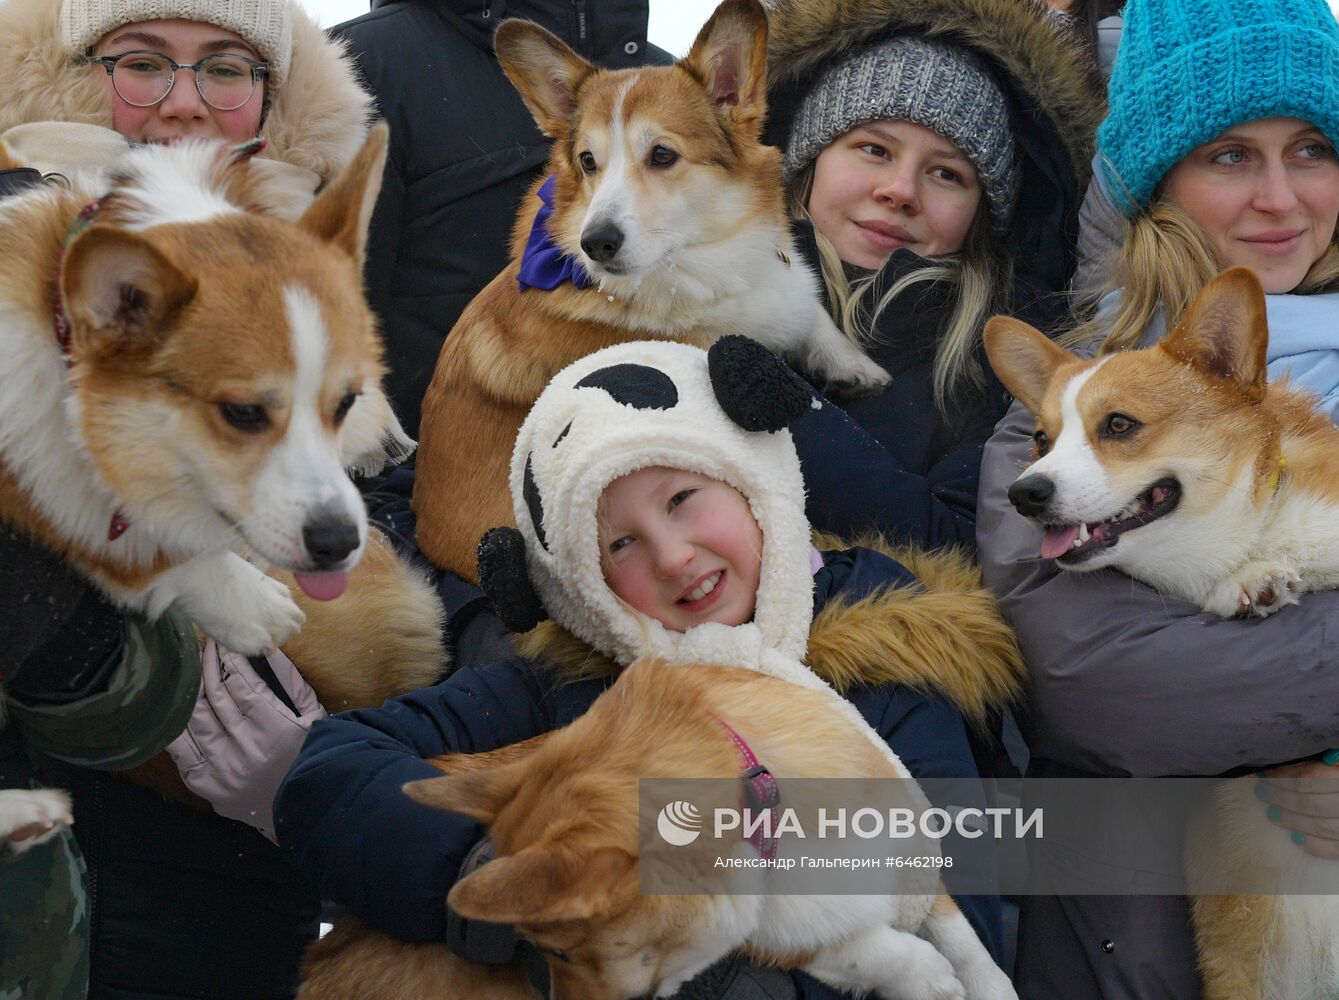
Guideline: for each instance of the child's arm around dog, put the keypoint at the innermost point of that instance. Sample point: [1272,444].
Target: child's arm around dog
[341,815]
[343,820]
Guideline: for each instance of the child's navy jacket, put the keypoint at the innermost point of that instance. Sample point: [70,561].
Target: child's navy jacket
[342,818]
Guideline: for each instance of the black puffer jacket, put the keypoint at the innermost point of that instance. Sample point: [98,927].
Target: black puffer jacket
[896,461]
[183,903]
[464,149]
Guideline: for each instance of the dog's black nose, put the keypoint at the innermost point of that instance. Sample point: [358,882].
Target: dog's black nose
[602,243]
[1031,495]
[329,539]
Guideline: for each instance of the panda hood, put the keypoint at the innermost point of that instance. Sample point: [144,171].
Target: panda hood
[722,414]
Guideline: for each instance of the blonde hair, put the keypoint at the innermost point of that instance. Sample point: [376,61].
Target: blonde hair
[980,271]
[1163,263]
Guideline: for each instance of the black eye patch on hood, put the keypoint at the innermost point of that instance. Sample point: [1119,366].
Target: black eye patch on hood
[532,501]
[637,386]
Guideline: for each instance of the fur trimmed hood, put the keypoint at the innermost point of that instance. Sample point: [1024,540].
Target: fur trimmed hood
[945,636]
[1046,64]
[317,120]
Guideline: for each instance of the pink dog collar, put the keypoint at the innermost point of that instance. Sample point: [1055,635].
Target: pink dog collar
[760,792]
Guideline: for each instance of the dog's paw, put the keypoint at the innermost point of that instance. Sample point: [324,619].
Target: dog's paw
[1258,588]
[986,981]
[236,604]
[859,377]
[261,617]
[928,976]
[29,817]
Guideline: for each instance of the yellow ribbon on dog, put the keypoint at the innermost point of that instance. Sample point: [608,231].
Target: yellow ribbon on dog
[1277,475]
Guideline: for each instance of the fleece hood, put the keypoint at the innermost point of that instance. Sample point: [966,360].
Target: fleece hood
[722,414]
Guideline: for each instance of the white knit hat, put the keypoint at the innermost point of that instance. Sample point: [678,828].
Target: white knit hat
[267,25]
[645,404]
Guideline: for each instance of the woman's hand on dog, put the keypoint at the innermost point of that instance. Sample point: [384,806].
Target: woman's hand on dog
[1303,799]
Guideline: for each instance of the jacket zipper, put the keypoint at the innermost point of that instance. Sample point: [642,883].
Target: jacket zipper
[580,6]
[98,818]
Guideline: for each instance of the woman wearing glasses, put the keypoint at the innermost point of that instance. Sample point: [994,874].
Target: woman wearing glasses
[176,902]
[222,87]
[162,70]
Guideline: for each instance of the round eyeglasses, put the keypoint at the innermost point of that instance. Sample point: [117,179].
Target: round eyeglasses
[143,79]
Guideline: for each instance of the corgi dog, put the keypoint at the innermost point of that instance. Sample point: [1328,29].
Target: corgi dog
[666,220]
[1182,467]
[1178,464]
[562,812]
[184,377]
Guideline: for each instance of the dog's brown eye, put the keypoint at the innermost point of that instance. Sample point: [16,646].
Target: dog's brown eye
[663,156]
[1042,441]
[1118,424]
[587,160]
[248,417]
[345,404]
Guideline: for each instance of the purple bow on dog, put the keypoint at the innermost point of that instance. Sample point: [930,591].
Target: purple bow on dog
[544,265]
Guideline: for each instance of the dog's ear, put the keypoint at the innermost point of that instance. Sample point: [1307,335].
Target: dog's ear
[755,388]
[1225,332]
[730,57]
[118,288]
[543,884]
[504,577]
[544,70]
[341,213]
[1024,358]
[479,794]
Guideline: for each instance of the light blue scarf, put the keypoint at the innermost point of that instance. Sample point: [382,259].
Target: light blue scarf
[1303,342]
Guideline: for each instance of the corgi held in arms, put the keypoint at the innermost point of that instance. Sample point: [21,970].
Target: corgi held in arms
[1181,466]
[186,376]
[1178,464]
[662,216]
[562,812]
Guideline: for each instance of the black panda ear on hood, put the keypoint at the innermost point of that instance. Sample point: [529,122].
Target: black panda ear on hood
[506,580]
[754,387]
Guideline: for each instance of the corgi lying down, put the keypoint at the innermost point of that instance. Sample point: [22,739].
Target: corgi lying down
[562,812]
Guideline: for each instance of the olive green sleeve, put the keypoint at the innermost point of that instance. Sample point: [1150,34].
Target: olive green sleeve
[144,707]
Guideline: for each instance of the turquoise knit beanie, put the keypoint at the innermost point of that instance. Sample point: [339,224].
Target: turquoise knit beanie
[1188,70]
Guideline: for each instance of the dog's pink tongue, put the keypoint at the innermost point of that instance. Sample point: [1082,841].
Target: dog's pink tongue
[322,586]
[1058,541]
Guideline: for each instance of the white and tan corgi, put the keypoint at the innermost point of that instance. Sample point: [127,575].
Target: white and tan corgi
[562,811]
[219,373]
[184,376]
[664,195]
[1178,464]
[1181,466]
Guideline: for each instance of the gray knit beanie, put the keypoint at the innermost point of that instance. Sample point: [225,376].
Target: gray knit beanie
[267,25]
[943,87]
